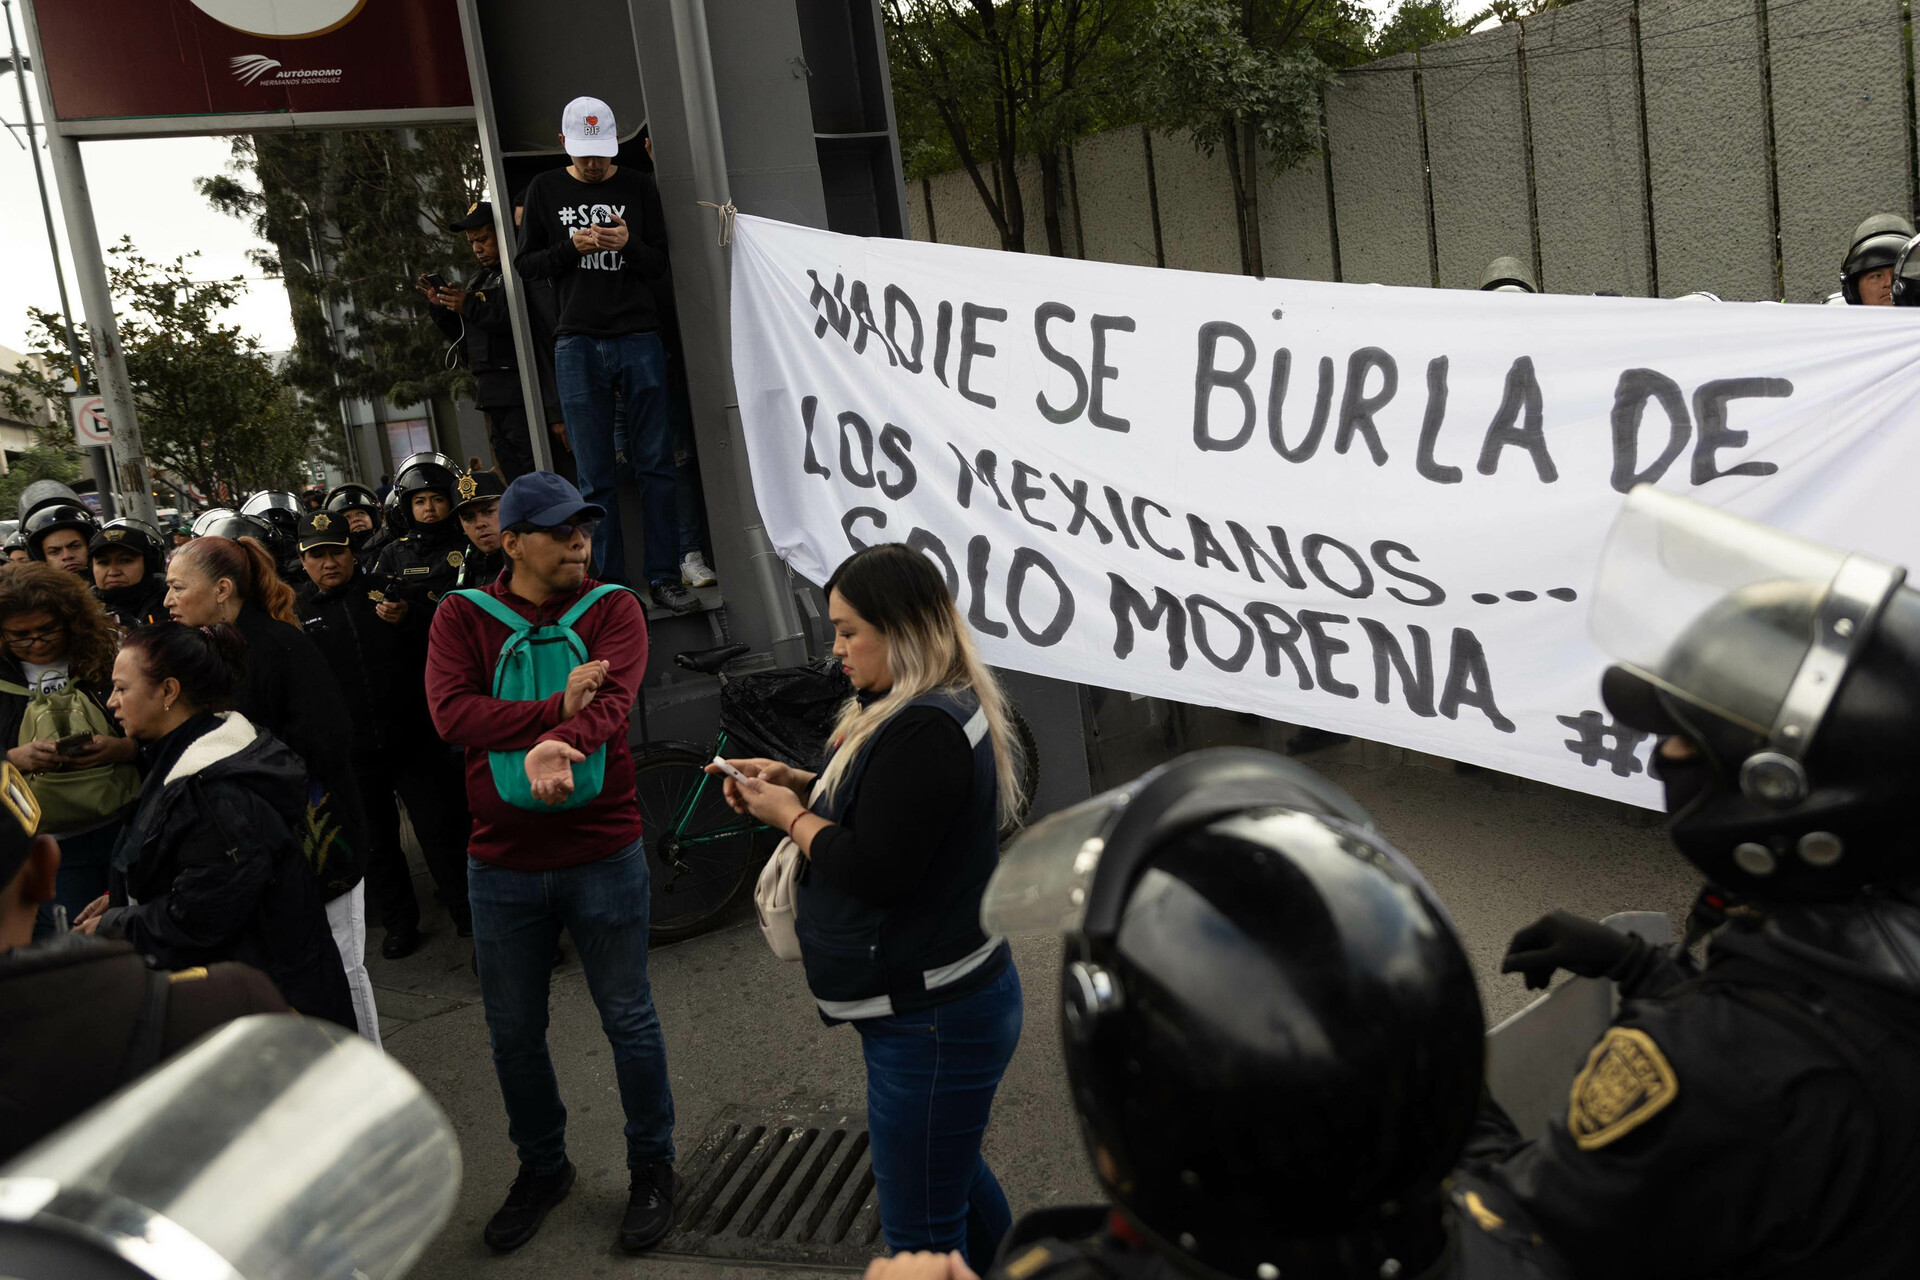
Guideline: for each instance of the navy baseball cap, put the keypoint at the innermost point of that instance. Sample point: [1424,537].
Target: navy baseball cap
[543,499]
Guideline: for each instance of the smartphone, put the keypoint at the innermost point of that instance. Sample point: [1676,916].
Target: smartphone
[729,770]
[73,744]
[436,281]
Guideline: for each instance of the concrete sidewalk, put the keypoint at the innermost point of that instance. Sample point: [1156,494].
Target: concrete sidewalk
[740,1028]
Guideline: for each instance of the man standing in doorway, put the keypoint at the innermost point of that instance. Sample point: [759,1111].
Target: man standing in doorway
[596,230]
[537,864]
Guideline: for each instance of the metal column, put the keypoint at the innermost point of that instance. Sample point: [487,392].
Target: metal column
[506,233]
[700,101]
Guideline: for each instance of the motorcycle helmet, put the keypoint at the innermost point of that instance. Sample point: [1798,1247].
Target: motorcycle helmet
[1272,1033]
[1793,669]
[1507,275]
[1876,243]
[57,515]
[135,535]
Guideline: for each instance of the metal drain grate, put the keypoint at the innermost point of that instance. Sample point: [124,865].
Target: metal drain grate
[772,1186]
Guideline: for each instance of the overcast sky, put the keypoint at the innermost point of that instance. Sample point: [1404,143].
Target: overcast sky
[143,189]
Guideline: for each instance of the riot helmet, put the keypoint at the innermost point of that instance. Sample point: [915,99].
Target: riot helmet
[426,473]
[223,522]
[46,493]
[1793,669]
[58,515]
[204,522]
[133,535]
[353,497]
[16,541]
[393,513]
[1876,243]
[1906,275]
[280,512]
[1507,275]
[1272,1034]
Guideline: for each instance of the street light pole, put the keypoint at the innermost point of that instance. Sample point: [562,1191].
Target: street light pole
[102,471]
[96,298]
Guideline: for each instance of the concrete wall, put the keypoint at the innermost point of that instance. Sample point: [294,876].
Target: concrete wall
[1644,146]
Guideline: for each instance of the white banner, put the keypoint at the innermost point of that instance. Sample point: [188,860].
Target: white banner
[1372,510]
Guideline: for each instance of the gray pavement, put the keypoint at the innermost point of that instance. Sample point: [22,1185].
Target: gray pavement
[740,1028]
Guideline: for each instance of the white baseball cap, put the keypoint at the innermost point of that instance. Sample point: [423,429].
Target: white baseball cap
[588,127]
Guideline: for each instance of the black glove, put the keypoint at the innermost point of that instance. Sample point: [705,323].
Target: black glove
[1562,940]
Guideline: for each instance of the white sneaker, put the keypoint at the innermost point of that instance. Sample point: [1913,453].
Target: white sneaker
[694,571]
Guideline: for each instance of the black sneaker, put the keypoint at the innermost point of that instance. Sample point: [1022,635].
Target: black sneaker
[649,1207]
[529,1201]
[400,943]
[669,594]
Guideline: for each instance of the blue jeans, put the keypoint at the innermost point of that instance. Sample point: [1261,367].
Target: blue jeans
[592,373]
[931,1078]
[689,517]
[517,918]
[84,863]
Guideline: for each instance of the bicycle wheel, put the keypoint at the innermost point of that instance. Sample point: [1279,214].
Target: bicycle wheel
[701,854]
[1029,772]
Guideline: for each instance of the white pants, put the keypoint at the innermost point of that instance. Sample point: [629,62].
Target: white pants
[347,917]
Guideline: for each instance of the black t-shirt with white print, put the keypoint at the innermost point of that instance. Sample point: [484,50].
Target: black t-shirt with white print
[609,292]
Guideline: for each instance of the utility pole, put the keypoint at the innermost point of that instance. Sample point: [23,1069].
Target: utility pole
[102,469]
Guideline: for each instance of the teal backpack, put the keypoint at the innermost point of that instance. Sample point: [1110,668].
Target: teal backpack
[533,665]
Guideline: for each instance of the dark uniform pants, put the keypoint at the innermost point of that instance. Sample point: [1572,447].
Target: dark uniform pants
[512,449]
[428,781]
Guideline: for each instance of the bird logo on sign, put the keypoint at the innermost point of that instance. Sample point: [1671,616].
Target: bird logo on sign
[250,67]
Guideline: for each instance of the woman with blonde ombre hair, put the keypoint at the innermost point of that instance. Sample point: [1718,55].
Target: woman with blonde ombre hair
[900,833]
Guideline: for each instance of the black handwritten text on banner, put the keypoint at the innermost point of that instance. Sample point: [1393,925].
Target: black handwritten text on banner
[1373,510]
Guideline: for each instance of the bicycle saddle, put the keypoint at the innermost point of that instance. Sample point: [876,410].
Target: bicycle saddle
[709,661]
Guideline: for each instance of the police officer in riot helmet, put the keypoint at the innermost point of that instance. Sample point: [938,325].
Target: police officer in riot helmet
[1758,1115]
[1906,275]
[1272,1037]
[421,565]
[225,522]
[15,547]
[130,572]
[1866,275]
[1507,275]
[359,506]
[60,534]
[280,511]
[477,506]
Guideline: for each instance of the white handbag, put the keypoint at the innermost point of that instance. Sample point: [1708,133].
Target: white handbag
[774,898]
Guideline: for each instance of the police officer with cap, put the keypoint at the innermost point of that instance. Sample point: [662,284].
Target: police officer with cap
[1507,275]
[475,316]
[359,507]
[394,746]
[1272,1036]
[1758,1116]
[82,1017]
[58,526]
[130,572]
[1866,275]
[420,565]
[477,504]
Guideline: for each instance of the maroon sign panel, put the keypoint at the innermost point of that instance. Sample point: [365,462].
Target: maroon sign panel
[109,59]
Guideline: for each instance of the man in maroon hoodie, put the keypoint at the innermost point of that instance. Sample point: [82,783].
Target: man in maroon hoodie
[532,871]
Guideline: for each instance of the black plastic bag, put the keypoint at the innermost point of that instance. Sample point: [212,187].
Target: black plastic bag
[787,713]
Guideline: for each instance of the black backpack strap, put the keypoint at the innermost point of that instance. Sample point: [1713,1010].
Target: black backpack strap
[149,1031]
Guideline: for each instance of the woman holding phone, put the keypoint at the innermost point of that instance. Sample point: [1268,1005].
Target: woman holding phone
[54,677]
[900,833]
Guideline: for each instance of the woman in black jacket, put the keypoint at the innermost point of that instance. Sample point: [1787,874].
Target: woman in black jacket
[901,835]
[213,868]
[289,691]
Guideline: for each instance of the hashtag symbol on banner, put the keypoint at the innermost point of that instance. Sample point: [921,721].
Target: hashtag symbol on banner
[1603,739]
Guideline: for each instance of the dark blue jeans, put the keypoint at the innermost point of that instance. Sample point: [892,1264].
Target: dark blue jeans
[592,373]
[517,918]
[931,1078]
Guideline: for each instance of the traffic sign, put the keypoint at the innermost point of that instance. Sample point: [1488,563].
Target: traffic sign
[90,421]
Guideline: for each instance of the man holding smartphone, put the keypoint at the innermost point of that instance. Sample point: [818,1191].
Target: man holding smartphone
[477,318]
[596,230]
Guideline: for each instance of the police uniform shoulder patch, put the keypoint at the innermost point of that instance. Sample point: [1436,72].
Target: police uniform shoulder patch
[1627,1081]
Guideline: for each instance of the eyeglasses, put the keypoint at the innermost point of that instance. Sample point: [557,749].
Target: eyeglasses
[562,532]
[28,639]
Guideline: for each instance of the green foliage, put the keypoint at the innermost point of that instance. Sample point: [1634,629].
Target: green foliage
[43,461]
[1416,24]
[353,218]
[212,408]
